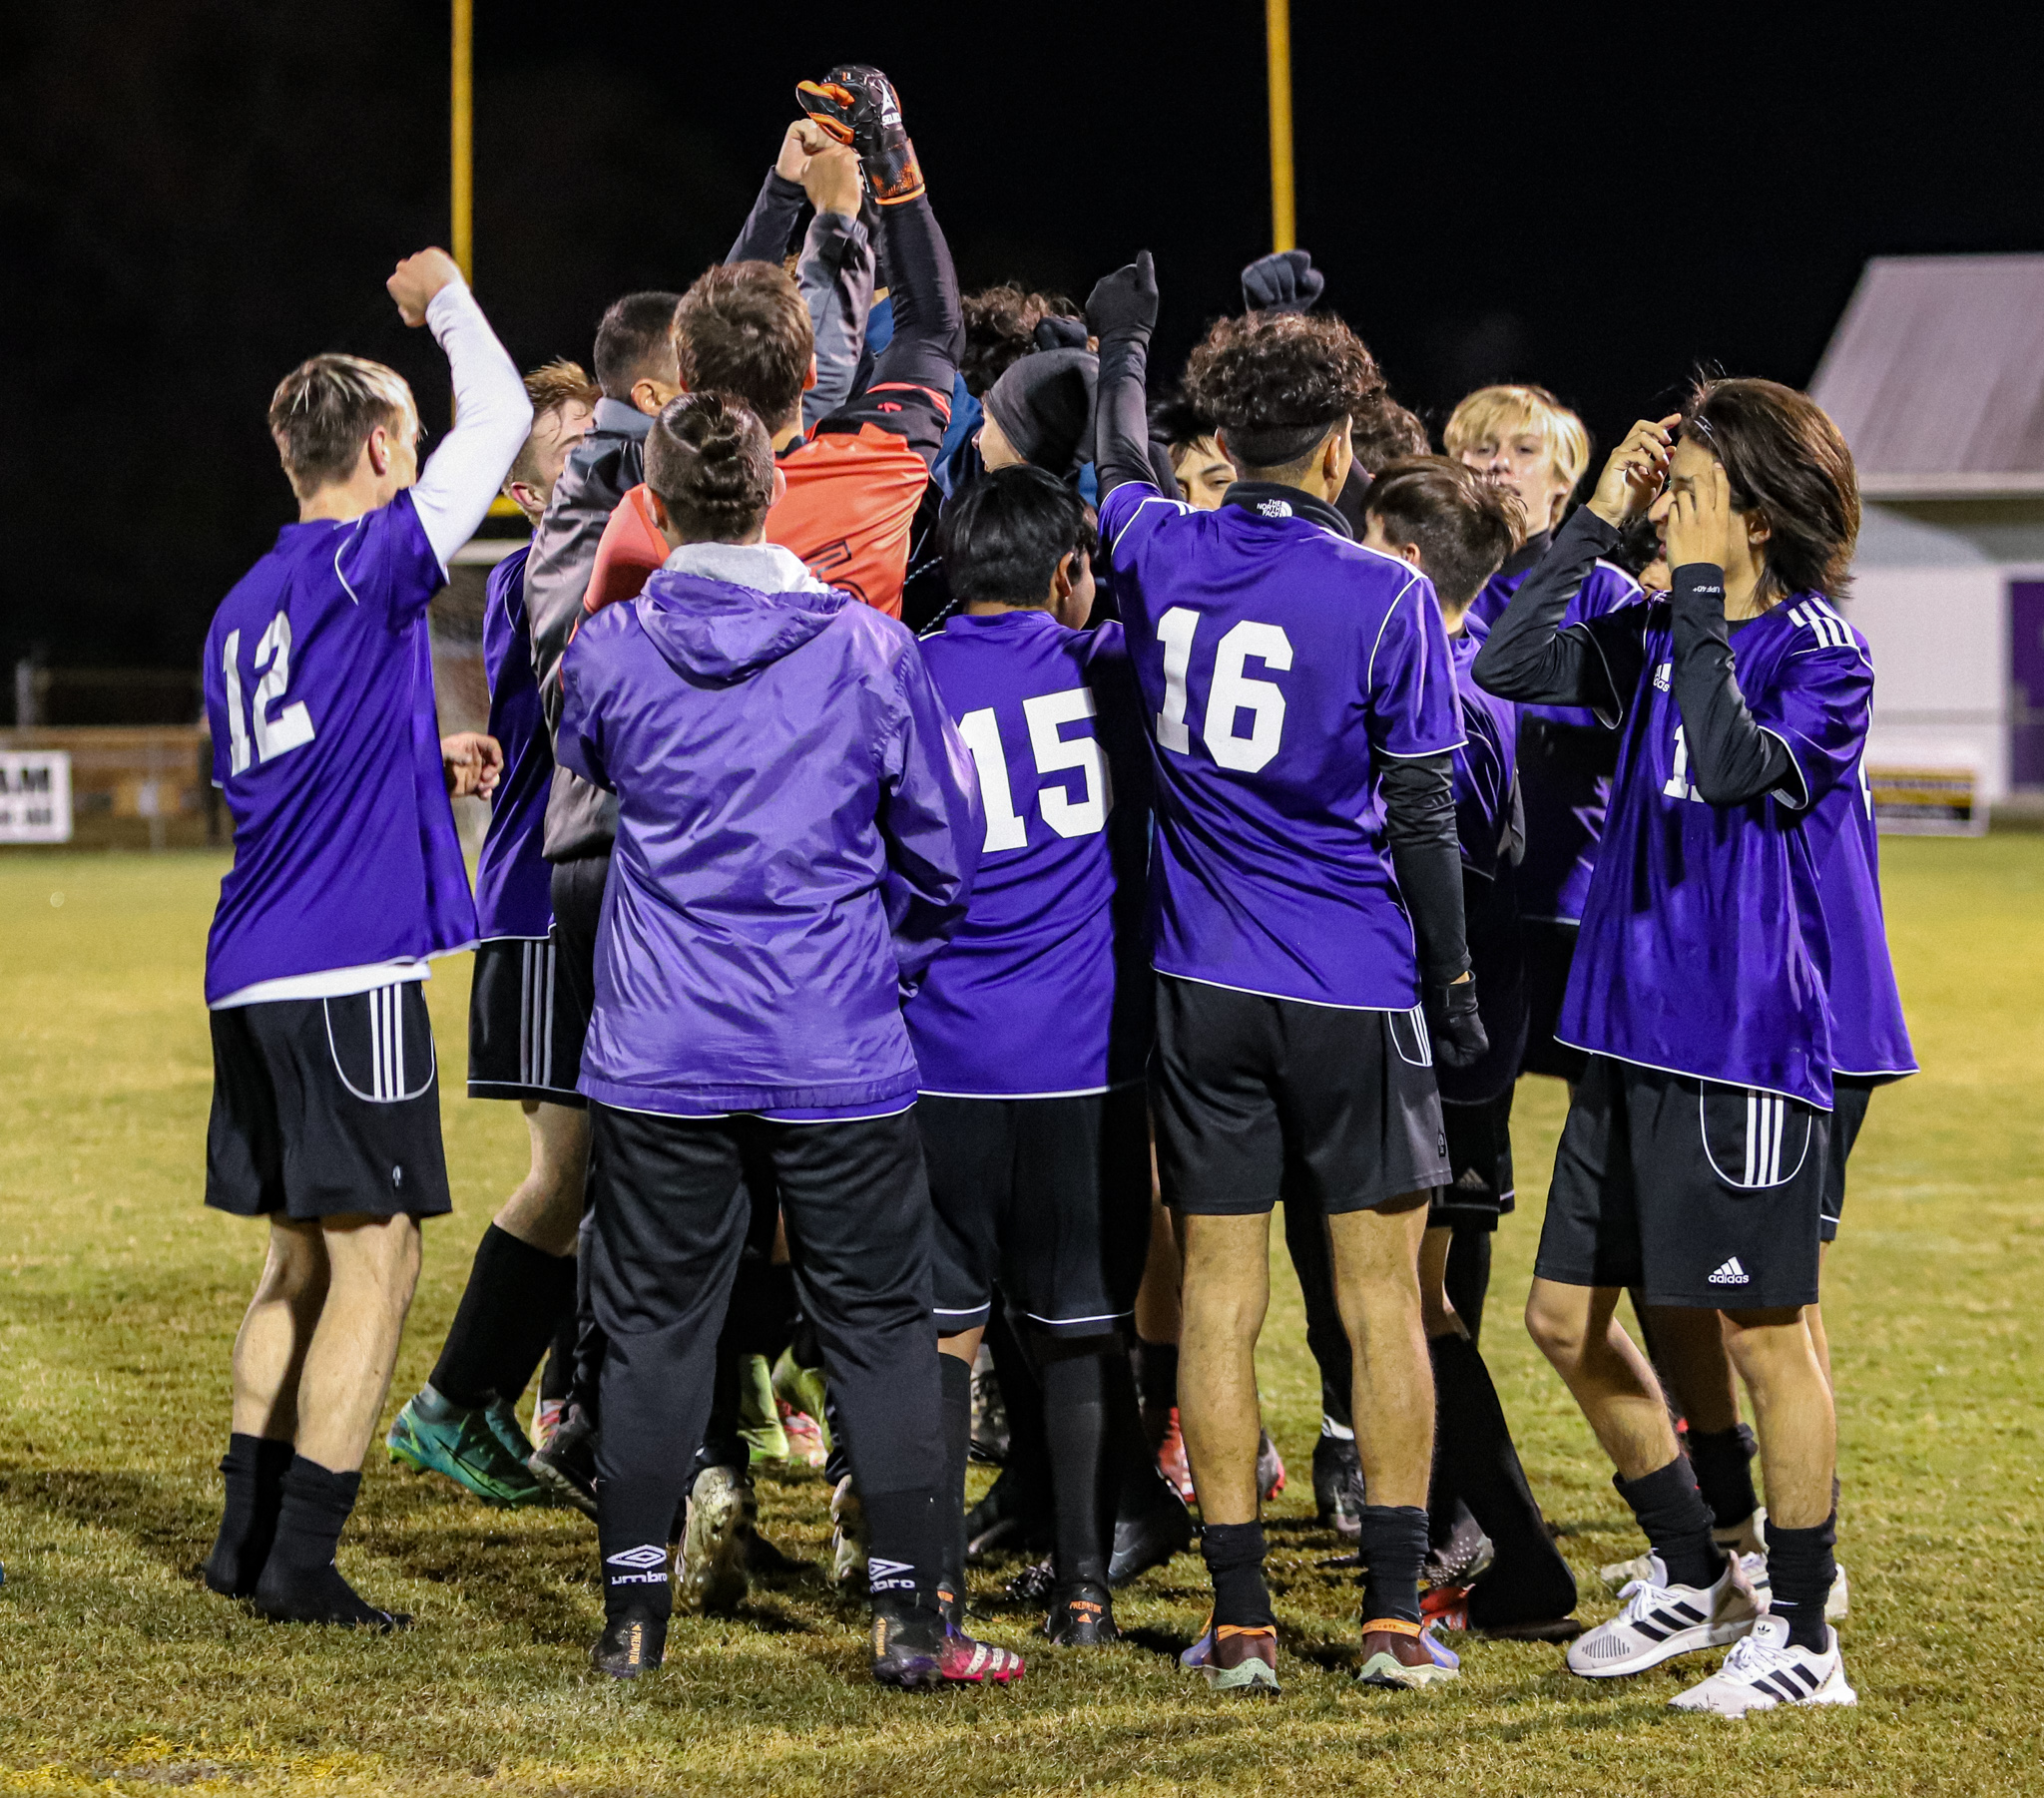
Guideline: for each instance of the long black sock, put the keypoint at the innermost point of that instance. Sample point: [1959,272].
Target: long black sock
[721,1445]
[957,1377]
[1676,1522]
[905,1548]
[1468,1274]
[1084,1475]
[1801,1569]
[255,1466]
[513,1302]
[1156,1377]
[1722,1460]
[1233,1553]
[1529,1582]
[557,1372]
[299,1580]
[1393,1548]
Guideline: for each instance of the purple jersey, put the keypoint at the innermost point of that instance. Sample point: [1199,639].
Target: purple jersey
[1484,812]
[1564,778]
[1278,660]
[513,881]
[319,694]
[1045,989]
[1703,948]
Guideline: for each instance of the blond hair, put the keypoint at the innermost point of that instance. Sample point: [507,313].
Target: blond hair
[323,411]
[1491,414]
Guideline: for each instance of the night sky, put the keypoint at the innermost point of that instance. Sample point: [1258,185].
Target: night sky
[193,198]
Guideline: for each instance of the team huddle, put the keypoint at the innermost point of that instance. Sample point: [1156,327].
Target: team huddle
[971,834]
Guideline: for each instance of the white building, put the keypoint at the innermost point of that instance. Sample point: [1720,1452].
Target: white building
[1936,375]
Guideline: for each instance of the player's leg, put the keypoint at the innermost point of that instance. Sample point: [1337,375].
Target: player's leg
[1155,1354]
[463,1422]
[1337,1470]
[856,1203]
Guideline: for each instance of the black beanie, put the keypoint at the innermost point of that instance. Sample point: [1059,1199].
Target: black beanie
[1044,406]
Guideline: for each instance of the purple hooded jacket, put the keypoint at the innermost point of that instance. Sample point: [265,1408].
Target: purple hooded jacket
[797,829]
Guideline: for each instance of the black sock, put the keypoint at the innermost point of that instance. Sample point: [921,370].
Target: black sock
[1468,1274]
[1084,1475]
[1800,1570]
[1528,1582]
[513,1302]
[1156,1376]
[1676,1522]
[299,1579]
[1393,1548]
[557,1372]
[1722,1460]
[255,1466]
[957,1388]
[905,1547]
[721,1445]
[1233,1553]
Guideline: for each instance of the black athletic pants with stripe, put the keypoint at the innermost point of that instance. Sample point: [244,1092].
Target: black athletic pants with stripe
[671,1210]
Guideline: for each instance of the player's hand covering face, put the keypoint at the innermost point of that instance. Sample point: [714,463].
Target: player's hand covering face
[1699,523]
[1632,480]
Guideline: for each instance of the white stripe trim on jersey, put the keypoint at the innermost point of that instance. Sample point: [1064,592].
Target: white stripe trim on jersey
[1074,1093]
[1325,1004]
[1460,743]
[1391,610]
[1155,499]
[1876,1072]
[766,1117]
[1799,800]
[1716,1079]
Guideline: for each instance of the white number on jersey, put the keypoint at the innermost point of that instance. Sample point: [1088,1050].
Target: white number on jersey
[1677,786]
[1052,752]
[291,729]
[1230,692]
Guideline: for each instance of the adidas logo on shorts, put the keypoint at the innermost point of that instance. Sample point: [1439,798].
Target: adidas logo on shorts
[1730,1274]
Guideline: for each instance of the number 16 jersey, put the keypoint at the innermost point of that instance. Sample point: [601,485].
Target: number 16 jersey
[1280,663]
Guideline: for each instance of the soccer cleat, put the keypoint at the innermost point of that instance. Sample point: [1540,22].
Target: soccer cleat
[565,1466]
[848,1538]
[632,1645]
[1765,1669]
[716,1543]
[1013,1517]
[1171,1462]
[1152,1536]
[1660,1621]
[1270,1467]
[758,1416]
[1464,1557]
[805,1445]
[546,1419]
[1338,1486]
[1080,1617]
[430,1434]
[801,1389]
[1232,1660]
[502,1417]
[990,1431]
[1033,1584]
[1404,1655]
[920,1651]
[1447,1606]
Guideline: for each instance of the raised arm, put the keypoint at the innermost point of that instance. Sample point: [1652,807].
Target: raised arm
[835,275]
[764,236]
[1122,312]
[493,414]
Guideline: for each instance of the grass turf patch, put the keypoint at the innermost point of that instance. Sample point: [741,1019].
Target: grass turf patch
[119,1296]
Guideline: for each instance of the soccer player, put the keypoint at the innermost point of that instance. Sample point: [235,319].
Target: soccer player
[849,488]
[524,1037]
[1693,1162]
[1296,1026]
[347,879]
[797,827]
[1032,1026]
[1535,448]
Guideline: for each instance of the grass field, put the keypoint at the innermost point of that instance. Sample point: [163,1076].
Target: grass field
[118,1298]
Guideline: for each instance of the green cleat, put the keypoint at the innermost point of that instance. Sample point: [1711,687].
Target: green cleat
[432,1436]
[503,1421]
[758,1417]
[802,1389]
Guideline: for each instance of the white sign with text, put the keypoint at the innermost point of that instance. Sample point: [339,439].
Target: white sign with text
[35,796]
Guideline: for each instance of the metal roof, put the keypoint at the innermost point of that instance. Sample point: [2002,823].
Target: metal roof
[1935,375]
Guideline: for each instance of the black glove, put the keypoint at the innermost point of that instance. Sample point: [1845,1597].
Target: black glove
[1060,334]
[858,104]
[1458,1035]
[1285,282]
[1123,302]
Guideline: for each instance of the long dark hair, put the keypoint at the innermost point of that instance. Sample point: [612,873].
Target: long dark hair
[1785,460]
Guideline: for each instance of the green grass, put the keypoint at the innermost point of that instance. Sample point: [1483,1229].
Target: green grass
[118,1298]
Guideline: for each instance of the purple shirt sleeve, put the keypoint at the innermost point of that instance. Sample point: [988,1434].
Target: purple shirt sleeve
[930,821]
[387,566]
[1818,709]
[1413,707]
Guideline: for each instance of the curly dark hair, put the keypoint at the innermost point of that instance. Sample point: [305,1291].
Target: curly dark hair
[1385,431]
[1276,382]
[1000,330]
[1785,460]
[1175,422]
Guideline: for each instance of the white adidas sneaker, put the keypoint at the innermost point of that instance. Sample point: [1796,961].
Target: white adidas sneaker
[1748,1540]
[1765,1669]
[1661,1620]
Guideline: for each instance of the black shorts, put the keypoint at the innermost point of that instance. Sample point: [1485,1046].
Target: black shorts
[1480,1158]
[1259,1100]
[327,1107]
[1550,947]
[1850,1095]
[1047,1200]
[1695,1193]
[525,1023]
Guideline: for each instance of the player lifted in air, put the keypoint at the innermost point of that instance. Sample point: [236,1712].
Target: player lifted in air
[347,879]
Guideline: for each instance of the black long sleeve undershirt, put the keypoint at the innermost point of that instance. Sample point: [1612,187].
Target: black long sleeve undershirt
[1732,761]
[1528,657]
[1121,419]
[1419,824]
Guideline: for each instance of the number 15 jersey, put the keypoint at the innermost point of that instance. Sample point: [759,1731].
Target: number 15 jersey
[1280,663]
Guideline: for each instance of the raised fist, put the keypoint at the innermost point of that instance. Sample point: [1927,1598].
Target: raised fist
[1285,282]
[417,278]
[1123,302]
[858,104]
